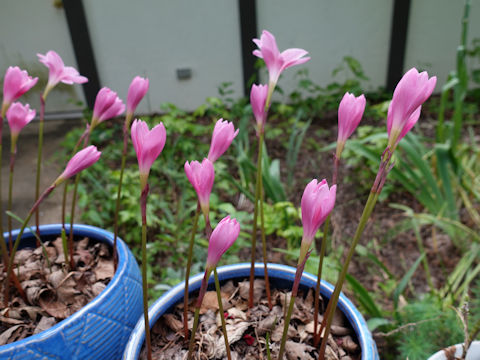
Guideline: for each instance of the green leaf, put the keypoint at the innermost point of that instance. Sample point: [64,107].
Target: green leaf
[404,282]
[374,323]
[363,297]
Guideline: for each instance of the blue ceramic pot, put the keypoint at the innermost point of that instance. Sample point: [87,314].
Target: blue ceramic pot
[100,329]
[280,276]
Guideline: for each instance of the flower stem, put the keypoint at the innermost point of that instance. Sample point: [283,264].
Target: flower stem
[19,236]
[326,226]
[72,218]
[126,128]
[296,283]
[13,152]
[316,336]
[143,204]
[255,216]
[264,249]
[332,304]
[201,294]
[39,159]
[187,272]
[221,313]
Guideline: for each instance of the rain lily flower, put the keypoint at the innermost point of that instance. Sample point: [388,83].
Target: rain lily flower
[222,137]
[350,113]
[317,202]
[58,72]
[18,116]
[411,92]
[137,90]
[222,238]
[201,176]
[107,105]
[277,62]
[258,99]
[80,161]
[148,145]
[15,83]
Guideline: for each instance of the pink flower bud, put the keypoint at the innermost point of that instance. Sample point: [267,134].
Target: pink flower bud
[258,99]
[148,145]
[107,105]
[18,116]
[350,113]
[137,90]
[16,83]
[58,72]
[222,137]
[412,91]
[317,202]
[222,238]
[201,176]
[80,161]
[277,62]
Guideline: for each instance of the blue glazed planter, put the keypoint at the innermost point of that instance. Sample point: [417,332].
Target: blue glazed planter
[280,276]
[100,329]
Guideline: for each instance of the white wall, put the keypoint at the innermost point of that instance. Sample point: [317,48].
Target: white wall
[329,30]
[28,27]
[154,38]
[434,34]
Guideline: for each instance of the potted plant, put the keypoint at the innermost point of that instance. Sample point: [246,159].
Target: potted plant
[101,328]
[280,276]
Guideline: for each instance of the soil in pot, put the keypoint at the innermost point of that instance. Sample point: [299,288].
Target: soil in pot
[247,330]
[52,292]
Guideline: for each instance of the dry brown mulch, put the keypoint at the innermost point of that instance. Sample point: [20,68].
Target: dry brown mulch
[247,329]
[52,292]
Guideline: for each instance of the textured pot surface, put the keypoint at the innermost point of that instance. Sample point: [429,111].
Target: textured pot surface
[472,354]
[280,276]
[100,329]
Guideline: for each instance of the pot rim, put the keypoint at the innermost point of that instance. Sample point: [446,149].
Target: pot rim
[358,323]
[80,230]
[473,350]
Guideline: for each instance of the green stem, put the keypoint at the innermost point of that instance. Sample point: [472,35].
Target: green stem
[221,313]
[326,226]
[72,218]
[10,189]
[332,304]
[189,266]
[285,327]
[126,128]
[255,216]
[192,335]
[426,268]
[143,203]
[39,159]
[201,295]
[264,248]
[19,236]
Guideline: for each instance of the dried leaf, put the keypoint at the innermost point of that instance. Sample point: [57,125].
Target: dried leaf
[44,324]
[104,269]
[298,351]
[210,302]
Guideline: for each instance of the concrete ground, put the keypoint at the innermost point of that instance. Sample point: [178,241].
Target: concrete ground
[25,168]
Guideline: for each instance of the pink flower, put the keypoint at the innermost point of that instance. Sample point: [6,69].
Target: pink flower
[80,161]
[201,176]
[148,145]
[15,83]
[222,137]
[222,238]
[350,113]
[411,92]
[137,90]
[58,72]
[317,202]
[258,99]
[107,105]
[277,62]
[18,116]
